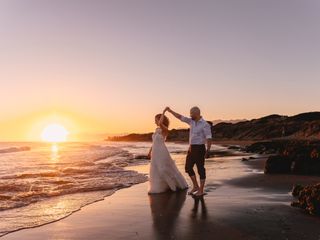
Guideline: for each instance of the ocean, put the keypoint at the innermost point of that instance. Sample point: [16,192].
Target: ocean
[41,183]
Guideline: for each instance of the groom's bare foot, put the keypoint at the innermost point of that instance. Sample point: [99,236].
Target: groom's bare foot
[199,193]
[193,190]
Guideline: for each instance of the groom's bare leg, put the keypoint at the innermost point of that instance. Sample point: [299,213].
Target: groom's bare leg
[201,189]
[202,172]
[195,184]
[189,169]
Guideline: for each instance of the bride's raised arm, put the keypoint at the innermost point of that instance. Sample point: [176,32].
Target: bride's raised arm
[162,126]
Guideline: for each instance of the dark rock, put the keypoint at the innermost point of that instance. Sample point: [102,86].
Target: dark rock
[290,156]
[141,157]
[235,147]
[278,164]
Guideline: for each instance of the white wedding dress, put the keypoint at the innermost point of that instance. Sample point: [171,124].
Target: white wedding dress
[163,172]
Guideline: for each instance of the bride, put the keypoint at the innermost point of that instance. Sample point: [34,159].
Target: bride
[163,172]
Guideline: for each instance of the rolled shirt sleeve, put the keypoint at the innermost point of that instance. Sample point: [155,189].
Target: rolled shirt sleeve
[207,131]
[186,120]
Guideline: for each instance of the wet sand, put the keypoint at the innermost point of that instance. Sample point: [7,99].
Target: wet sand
[242,203]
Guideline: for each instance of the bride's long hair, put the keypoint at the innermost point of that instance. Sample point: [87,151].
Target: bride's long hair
[165,122]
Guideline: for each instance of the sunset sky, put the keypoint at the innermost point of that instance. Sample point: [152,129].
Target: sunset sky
[101,67]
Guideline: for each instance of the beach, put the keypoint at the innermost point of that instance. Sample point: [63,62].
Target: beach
[95,96]
[241,203]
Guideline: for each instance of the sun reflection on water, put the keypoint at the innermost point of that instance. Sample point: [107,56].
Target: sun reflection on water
[54,152]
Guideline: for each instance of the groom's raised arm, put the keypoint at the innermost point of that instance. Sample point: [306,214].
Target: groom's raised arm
[179,116]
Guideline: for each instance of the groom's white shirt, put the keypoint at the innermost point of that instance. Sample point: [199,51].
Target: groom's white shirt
[200,131]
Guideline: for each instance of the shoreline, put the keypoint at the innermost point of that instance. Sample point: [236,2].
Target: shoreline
[252,200]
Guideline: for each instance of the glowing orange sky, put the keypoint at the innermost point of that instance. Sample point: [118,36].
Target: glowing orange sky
[110,66]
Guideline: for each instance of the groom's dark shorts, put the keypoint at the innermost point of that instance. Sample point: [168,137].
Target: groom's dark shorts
[196,155]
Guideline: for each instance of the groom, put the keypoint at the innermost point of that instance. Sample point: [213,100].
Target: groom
[200,134]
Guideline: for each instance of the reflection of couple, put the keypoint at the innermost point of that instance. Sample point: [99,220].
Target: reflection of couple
[167,222]
[164,174]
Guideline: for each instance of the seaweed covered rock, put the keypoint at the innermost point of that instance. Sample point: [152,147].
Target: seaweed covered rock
[308,198]
[296,190]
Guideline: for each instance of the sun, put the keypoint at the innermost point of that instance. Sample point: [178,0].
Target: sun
[54,133]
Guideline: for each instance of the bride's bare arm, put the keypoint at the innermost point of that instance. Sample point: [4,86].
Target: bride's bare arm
[162,126]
